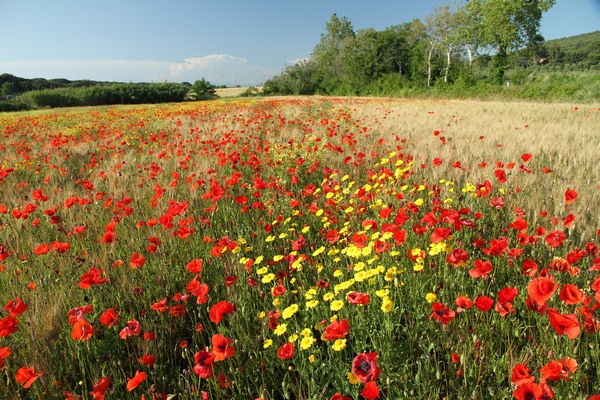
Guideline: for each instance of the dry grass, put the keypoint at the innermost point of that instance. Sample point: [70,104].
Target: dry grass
[234,91]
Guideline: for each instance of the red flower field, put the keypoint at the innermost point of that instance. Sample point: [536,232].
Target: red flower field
[300,248]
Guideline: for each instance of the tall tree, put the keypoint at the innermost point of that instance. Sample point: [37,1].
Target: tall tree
[506,25]
[328,53]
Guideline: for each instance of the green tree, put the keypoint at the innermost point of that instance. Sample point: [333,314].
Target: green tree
[204,90]
[506,25]
[328,53]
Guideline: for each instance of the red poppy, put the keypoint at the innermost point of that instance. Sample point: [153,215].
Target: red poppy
[137,260]
[553,371]
[204,364]
[217,311]
[484,303]
[507,295]
[339,396]
[564,323]
[26,376]
[15,307]
[529,391]
[286,351]
[570,196]
[99,388]
[195,266]
[482,269]
[336,330]
[521,374]
[529,267]
[278,290]
[358,298]
[571,294]
[538,308]
[457,257]
[42,249]
[541,289]
[442,313]
[132,329]
[109,317]
[92,277]
[555,238]
[221,347]
[4,353]
[82,330]
[364,367]
[463,303]
[8,325]
[136,381]
[370,391]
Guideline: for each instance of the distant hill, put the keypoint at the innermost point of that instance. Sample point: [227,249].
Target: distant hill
[577,52]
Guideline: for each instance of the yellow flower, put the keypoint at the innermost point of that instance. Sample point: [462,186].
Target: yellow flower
[258,260]
[328,296]
[352,378]
[281,329]
[312,304]
[430,297]
[293,338]
[387,305]
[418,267]
[276,302]
[306,332]
[339,345]
[268,278]
[337,305]
[318,251]
[290,311]
[307,342]
[268,343]
[312,358]
[263,270]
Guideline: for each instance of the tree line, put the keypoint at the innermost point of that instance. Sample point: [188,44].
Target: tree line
[460,44]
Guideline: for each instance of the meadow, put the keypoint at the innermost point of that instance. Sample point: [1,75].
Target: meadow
[301,248]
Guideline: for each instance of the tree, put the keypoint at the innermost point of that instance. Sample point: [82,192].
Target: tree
[444,29]
[204,90]
[328,54]
[506,25]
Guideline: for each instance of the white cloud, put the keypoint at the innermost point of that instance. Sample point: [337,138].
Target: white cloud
[219,69]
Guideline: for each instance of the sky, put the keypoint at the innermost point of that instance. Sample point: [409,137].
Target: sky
[227,42]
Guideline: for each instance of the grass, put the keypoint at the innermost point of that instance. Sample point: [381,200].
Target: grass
[233,231]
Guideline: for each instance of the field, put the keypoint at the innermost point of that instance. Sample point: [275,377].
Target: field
[301,248]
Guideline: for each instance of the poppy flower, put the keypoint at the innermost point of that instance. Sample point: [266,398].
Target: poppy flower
[286,351]
[339,396]
[442,313]
[204,364]
[358,298]
[4,353]
[221,347]
[92,277]
[564,323]
[147,359]
[108,317]
[521,374]
[99,388]
[364,367]
[463,303]
[336,330]
[482,269]
[370,391]
[529,391]
[15,307]
[195,266]
[136,381]
[484,303]
[82,330]
[541,289]
[8,325]
[137,260]
[507,295]
[571,294]
[26,376]
[217,311]
[555,238]
[132,329]
[570,196]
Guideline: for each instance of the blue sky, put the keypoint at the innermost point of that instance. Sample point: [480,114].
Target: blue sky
[232,42]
